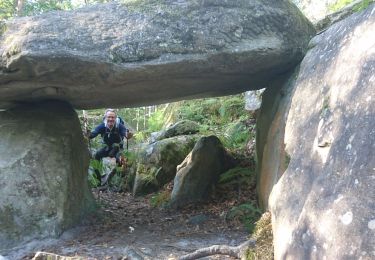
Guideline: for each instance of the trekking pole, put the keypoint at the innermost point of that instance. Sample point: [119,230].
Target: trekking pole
[86,130]
[127,140]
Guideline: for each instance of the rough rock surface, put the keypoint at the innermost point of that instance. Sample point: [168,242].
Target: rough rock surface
[43,172]
[198,172]
[157,162]
[146,53]
[323,205]
[271,158]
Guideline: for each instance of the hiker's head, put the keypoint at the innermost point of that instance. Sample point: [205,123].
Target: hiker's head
[110,117]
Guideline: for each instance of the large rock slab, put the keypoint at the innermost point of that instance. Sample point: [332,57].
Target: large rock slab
[271,158]
[146,53]
[43,172]
[323,205]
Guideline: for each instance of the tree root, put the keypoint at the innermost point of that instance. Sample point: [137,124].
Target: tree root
[234,251]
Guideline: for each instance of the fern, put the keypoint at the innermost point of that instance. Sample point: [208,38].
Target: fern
[247,213]
[236,174]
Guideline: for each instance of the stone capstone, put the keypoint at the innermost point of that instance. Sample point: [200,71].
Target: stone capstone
[43,172]
[116,55]
[323,204]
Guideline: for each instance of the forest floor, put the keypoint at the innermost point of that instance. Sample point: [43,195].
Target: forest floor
[128,227]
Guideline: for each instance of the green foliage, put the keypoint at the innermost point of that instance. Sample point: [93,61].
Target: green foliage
[339,5]
[140,136]
[130,157]
[236,135]
[7,9]
[221,116]
[363,5]
[38,7]
[247,213]
[156,121]
[238,175]
[160,198]
[95,165]
[118,182]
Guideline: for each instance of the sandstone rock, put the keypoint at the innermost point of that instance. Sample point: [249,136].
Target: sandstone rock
[120,55]
[157,162]
[199,172]
[322,206]
[271,158]
[253,99]
[43,172]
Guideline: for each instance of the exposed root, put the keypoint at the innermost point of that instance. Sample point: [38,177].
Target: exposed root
[234,251]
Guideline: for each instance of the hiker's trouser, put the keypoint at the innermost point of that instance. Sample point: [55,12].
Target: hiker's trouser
[113,152]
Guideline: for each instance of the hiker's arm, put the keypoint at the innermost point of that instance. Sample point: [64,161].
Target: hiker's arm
[96,131]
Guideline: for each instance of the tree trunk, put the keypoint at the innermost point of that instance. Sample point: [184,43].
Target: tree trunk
[20,5]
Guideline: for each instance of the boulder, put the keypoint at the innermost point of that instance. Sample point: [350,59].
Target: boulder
[253,99]
[199,172]
[184,127]
[157,162]
[322,205]
[43,172]
[148,52]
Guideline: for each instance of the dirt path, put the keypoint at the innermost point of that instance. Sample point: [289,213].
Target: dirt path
[130,227]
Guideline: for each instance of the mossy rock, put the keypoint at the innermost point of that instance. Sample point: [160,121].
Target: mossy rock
[157,162]
[184,127]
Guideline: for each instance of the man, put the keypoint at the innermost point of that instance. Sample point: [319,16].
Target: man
[113,133]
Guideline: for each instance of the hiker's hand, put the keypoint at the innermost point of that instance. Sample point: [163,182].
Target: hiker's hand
[128,135]
[86,139]
[88,133]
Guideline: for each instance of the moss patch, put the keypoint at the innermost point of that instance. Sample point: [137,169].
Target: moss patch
[264,239]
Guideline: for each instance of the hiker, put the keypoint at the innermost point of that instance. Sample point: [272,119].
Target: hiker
[113,131]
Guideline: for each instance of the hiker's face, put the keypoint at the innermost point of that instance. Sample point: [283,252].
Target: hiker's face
[111,118]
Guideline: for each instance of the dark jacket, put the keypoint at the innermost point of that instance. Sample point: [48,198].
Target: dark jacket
[110,136]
